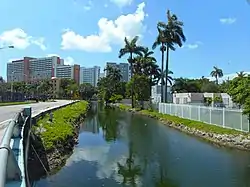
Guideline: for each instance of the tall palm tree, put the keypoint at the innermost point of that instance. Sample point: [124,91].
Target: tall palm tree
[113,73]
[161,41]
[131,48]
[144,62]
[169,79]
[174,35]
[216,73]
[241,74]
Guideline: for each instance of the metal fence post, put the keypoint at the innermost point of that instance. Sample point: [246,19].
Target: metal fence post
[190,111]
[199,112]
[210,115]
[223,117]
[241,121]
[182,111]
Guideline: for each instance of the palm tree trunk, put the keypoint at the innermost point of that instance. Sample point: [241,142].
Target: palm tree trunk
[162,69]
[166,85]
[132,87]
[216,78]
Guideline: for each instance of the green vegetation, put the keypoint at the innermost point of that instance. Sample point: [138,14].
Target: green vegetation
[239,90]
[68,89]
[189,123]
[16,103]
[61,128]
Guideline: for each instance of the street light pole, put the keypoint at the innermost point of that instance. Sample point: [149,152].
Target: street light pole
[11,47]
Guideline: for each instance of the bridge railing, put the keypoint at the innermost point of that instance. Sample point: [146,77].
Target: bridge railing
[10,169]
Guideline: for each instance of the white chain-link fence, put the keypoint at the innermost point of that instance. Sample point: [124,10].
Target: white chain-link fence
[227,118]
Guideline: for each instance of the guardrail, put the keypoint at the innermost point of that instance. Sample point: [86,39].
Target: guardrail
[14,148]
[9,148]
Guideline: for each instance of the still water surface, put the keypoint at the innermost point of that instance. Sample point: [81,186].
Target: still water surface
[118,148]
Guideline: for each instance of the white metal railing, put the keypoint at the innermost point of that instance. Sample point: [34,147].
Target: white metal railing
[227,118]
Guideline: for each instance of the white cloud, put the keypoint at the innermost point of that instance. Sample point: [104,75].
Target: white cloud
[228,20]
[194,45]
[106,162]
[111,32]
[122,3]
[20,39]
[69,61]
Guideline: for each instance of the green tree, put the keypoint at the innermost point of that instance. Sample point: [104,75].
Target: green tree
[173,34]
[216,73]
[109,85]
[86,91]
[142,88]
[241,74]
[131,48]
[239,90]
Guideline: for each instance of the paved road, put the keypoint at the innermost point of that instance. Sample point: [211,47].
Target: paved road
[8,112]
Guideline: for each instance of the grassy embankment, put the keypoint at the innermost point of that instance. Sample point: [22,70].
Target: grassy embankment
[16,103]
[62,126]
[189,123]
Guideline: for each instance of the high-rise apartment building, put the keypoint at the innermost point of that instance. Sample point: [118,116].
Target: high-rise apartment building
[90,75]
[34,69]
[123,67]
[68,71]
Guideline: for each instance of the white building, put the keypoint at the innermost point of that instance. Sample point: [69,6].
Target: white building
[199,98]
[156,94]
[124,68]
[31,69]
[90,75]
[102,75]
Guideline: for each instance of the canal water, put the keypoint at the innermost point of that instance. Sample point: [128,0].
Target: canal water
[119,148]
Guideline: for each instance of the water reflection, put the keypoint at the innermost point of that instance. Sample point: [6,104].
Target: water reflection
[130,171]
[120,149]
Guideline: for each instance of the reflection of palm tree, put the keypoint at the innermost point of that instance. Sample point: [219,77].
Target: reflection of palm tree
[129,171]
[163,180]
[109,124]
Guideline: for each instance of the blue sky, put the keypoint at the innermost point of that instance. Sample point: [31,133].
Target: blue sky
[91,32]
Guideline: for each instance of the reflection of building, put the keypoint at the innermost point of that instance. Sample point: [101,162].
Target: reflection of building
[123,67]
[90,75]
[91,126]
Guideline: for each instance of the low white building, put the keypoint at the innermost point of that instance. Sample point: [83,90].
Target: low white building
[199,98]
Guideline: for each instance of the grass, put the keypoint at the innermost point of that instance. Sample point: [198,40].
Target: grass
[61,128]
[187,122]
[16,103]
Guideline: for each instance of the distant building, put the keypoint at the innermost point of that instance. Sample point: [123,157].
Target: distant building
[55,86]
[156,94]
[199,99]
[69,71]
[123,67]
[31,69]
[90,75]
[102,75]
